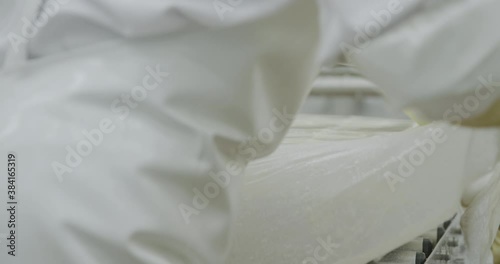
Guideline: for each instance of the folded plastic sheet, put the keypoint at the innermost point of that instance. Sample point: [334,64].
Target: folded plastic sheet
[324,197]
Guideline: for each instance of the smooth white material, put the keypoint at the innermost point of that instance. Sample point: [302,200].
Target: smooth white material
[444,56]
[328,182]
[14,32]
[230,77]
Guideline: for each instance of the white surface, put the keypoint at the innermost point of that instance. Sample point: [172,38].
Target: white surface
[327,181]
[121,205]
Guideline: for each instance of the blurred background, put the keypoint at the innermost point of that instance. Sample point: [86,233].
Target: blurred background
[342,90]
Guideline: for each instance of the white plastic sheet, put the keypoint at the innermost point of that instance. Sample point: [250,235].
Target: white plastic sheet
[229,79]
[323,197]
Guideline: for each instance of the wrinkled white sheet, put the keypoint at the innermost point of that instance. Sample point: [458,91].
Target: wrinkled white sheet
[229,77]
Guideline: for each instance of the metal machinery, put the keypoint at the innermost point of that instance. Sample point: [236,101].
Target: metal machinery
[443,245]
